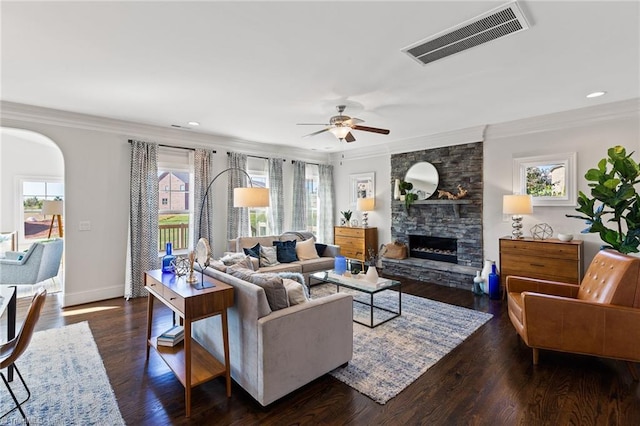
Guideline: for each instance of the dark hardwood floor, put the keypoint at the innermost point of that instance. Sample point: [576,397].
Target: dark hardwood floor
[489,379]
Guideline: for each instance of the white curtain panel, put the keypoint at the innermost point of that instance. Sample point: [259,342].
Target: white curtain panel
[276,196]
[202,178]
[238,218]
[299,222]
[325,200]
[142,252]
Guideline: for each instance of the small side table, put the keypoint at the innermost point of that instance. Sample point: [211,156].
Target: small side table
[190,362]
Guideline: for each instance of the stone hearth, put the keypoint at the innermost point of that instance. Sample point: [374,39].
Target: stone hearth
[456,165]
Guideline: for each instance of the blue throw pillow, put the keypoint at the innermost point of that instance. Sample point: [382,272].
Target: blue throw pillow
[320,248]
[253,251]
[286,251]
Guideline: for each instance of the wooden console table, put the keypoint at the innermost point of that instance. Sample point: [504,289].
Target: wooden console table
[190,362]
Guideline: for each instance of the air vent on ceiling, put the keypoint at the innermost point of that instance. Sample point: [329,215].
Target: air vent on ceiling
[499,22]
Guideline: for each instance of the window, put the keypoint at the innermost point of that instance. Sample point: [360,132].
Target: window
[175,177]
[34,192]
[258,219]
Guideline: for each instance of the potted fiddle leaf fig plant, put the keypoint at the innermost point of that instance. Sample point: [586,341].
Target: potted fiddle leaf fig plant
[614,200]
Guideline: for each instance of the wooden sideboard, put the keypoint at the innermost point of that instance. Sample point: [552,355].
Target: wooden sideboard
[354,242]
[550,259]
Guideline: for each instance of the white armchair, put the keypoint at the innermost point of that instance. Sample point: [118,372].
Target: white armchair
[39,263]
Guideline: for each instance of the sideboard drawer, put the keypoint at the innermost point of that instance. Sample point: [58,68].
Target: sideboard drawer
[174,299]
[349,232]
[533,266]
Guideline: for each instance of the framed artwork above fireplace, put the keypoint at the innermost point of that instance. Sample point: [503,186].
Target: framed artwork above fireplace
[549,179]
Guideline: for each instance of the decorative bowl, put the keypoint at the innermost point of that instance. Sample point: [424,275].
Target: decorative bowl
[565,237]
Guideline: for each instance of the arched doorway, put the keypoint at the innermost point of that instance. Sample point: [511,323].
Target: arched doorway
[31,171]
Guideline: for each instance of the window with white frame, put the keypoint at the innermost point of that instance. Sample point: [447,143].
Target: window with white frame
[312,179]
[34,192]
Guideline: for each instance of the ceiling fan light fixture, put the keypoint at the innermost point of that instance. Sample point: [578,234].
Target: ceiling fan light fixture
[340,132]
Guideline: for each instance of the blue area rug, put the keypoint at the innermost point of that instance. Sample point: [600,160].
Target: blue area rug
[67,379]
[390,357]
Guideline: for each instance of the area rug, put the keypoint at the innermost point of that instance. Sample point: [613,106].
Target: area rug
[67,379]
[390,357]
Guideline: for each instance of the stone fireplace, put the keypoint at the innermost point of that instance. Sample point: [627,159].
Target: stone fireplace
[444,236]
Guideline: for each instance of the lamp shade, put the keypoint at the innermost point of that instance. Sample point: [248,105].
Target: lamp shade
[340,132]
[365,204]
[517,204]
[251,197]
[53,207]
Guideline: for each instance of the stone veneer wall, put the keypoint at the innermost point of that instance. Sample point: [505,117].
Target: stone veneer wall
[456,165]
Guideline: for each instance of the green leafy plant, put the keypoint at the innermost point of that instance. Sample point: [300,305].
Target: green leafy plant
[347,215]
[409,197]
[613,200]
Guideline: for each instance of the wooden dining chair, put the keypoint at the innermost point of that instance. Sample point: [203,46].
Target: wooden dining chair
[14,348]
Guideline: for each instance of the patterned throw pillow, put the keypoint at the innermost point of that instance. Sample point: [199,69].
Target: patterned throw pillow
[268,256]
[286,251]
[306,250]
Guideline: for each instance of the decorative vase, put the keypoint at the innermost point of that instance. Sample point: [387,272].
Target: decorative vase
[340,265]
[477,284]
[371,275]
[396,190]
[494,283]
[486,270]
[168,258]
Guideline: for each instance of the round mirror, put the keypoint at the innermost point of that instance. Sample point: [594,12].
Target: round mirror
[424,177]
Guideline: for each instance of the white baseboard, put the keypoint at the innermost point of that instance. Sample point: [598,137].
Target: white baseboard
[79,298]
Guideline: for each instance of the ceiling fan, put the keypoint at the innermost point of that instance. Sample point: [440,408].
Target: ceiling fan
[341,126]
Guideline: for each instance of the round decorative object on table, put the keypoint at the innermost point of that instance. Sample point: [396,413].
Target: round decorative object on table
[203,252]
[541,231]
[180,266]
[354,222]
[565,237]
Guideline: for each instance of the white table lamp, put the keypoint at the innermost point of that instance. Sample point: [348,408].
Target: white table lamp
[365,205]
[516,206]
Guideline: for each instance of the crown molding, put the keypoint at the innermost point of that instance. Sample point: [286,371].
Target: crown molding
[15,114]
[626,109]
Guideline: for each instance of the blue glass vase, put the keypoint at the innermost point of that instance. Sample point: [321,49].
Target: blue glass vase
[340,265]
[494,283]
[167,259]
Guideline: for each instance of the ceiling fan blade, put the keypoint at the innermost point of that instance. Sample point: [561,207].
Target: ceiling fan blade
[317,133]
[312,124]
[371,129]
[352,121]
[349,137]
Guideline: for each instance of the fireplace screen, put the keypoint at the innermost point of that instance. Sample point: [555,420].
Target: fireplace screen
[434,248]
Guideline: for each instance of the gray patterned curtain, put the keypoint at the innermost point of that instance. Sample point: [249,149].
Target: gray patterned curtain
[237,218]
[276,196]
[325,204]
[203,175]
[143,220]
[299,222]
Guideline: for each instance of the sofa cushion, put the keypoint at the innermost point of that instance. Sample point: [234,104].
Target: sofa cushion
[232,258]
[253,251]
[273,288]
[217,264]
[240,271]
[306,250]
[283,267]
[268,256]
[286,251]
[319,264]
[295,291]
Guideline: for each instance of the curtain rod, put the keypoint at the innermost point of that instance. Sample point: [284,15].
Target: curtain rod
[257,156]
[177,147]
[313,164]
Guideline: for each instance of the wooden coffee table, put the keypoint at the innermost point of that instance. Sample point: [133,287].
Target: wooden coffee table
[363,286]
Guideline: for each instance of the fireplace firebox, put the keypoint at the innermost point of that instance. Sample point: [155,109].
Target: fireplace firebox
[433,248]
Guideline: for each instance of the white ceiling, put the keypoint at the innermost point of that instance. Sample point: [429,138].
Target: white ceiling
[252,70]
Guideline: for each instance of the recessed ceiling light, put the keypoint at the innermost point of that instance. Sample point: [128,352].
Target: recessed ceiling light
[194,123]
[596,94]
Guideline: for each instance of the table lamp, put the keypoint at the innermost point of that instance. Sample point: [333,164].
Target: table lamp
[365,205]
[516,206]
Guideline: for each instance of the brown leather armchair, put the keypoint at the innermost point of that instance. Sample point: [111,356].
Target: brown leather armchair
[599,317]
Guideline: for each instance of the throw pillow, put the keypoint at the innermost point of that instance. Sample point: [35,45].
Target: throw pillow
[268,256]
[241,272]
[217,264]
[253,251]
[320,248]
[286,251]
[306,250]
[295,291]
[273,289]
[232,258]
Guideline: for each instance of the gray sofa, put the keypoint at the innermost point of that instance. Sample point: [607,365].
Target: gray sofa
[275,353]
[305,267]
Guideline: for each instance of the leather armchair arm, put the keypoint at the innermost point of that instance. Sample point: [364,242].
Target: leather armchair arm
[517,284]
[579,326]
